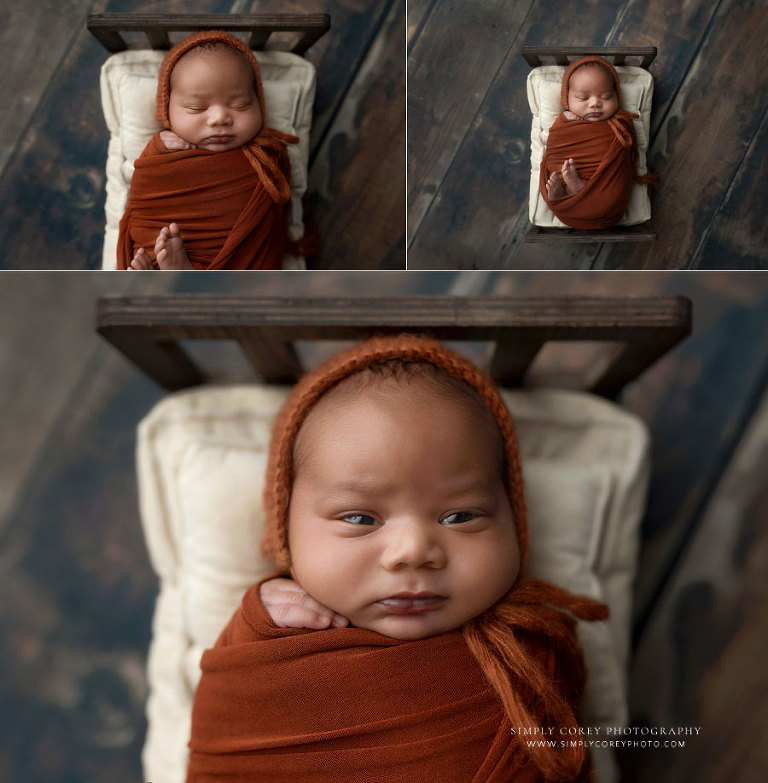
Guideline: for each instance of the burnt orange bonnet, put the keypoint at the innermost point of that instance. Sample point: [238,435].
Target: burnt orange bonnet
[266,151]
[410,348]
[203,38]
[590,58]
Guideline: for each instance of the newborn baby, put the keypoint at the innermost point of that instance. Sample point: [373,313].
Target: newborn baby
[591,157]
[215,170]
[396,518]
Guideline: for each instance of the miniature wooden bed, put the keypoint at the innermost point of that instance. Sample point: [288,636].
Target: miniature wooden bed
[201,457]
[642,57]
[128,84]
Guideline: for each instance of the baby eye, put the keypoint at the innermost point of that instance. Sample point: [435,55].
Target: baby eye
[242,106]
[457,518]
[359,519]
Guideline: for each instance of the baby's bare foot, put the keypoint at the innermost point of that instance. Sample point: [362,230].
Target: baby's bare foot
[555,189]
[169,249]
[141,260]
[571,176]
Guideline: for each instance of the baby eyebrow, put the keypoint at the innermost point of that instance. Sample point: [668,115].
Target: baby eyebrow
[480,487]
[358,486]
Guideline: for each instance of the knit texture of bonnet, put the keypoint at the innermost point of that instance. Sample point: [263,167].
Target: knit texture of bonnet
[266,152]
[496,638]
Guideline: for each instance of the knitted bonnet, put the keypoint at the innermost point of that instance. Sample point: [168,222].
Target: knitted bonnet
[590,58]
[310,389]
[497,638]
[266,151]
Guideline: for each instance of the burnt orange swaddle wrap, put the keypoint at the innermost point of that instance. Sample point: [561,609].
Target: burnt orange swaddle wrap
[230,206]
[349,704]
[606,155]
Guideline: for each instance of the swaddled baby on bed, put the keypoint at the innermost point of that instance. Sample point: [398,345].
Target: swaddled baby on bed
[400,640]
[209,190]
[591,157]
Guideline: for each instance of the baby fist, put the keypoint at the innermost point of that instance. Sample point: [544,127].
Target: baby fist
[290,606]
[174,142]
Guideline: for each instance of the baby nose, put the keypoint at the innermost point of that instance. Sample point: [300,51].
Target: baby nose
[218,115]
[413,545]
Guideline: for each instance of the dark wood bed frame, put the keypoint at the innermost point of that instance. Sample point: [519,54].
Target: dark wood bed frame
[108,28]
[641,56]
[636,330]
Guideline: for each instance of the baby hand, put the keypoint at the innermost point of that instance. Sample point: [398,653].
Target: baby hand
[290,606]
[174,142]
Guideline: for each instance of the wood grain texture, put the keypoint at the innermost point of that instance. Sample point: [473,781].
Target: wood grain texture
[700,660]
[418,10]
[450,68]
[62,344]
[738,236]
[554,317]
[32,56]
[699,401]
[700,145]
[644,232]
[74,635]
[357,181]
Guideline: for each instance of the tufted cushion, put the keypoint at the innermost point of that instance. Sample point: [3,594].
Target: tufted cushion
[201,462]
[128,86]
[544,85]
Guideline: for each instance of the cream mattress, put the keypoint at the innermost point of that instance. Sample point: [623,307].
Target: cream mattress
[201,461]
[544,85]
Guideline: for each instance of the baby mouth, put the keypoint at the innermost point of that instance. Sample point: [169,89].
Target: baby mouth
[408,603]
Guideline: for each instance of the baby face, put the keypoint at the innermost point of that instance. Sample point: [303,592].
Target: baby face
[399,519]
[213,102]
[592,94]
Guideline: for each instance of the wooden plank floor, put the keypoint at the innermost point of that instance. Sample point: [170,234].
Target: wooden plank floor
[54,139]
[469,131]
[73,637]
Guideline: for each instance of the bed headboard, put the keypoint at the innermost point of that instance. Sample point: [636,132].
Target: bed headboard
[641,56]
[629,333]
[303,29]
